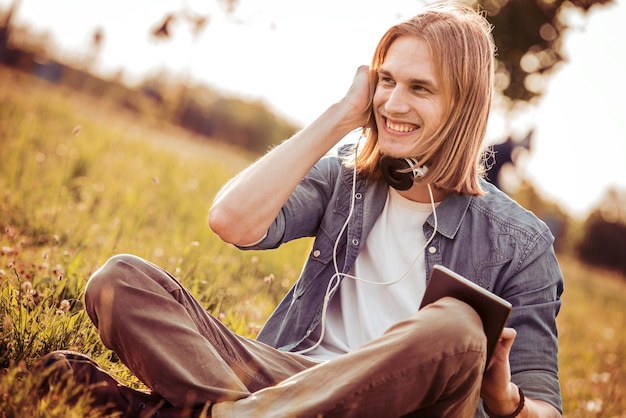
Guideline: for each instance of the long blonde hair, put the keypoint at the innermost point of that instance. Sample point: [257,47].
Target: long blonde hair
[462,50]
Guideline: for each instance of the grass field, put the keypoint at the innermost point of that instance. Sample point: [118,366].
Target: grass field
[80,182]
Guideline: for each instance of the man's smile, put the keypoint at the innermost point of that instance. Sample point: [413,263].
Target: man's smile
[399,127]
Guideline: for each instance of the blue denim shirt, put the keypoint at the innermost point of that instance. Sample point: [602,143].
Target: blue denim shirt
[490,240]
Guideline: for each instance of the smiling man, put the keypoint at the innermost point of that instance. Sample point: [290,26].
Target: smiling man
[349,339]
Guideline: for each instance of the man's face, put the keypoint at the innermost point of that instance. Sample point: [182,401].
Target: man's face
[408,101]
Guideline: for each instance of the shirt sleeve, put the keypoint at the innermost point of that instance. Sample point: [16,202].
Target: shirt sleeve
[535,292]
[302,213]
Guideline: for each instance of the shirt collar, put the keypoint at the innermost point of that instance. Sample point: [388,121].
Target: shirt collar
[450,213]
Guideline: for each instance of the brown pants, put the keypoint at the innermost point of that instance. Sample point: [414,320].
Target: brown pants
[432,363]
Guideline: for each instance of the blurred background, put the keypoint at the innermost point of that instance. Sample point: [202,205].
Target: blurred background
[250,73]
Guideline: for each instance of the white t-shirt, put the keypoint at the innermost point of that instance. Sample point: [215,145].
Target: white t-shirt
[393,253]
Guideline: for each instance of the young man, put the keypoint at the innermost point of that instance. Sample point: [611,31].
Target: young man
[348,339]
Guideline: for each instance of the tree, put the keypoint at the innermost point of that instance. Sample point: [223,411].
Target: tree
[528,36]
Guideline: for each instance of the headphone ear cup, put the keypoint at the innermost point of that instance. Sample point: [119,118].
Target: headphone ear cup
[390,167]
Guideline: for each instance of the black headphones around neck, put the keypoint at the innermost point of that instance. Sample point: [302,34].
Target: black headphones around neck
[400,173]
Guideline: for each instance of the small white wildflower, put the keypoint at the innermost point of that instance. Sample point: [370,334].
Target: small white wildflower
[594,406]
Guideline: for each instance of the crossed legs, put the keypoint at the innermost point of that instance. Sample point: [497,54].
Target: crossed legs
[432,362]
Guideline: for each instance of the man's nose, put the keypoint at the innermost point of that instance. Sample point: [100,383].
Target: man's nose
[397,102]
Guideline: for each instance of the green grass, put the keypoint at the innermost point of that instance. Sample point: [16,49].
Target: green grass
[81,181]
[592,342]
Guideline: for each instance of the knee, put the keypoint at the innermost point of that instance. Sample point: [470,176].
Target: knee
[105,284]
[110,273]
[458,318]
[455,324]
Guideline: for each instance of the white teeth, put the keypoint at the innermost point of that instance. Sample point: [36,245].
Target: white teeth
[400,127]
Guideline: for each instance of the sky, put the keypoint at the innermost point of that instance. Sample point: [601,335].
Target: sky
[300,56]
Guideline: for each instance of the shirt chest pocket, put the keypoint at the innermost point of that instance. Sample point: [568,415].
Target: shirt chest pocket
[320,265]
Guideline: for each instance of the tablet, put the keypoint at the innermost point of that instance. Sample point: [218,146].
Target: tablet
[493,310]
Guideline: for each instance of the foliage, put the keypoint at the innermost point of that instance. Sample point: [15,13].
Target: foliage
[197,108]
[529,40]
[528,35]
[603,234]
[80,182]
[249,125]
[603,242]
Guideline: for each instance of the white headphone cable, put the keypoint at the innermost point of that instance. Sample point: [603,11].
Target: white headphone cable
[334,281]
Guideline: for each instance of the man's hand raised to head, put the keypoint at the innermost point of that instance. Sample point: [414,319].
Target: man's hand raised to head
[358,99]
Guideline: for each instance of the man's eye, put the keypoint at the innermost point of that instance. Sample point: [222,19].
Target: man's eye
[421,89]
[386,81]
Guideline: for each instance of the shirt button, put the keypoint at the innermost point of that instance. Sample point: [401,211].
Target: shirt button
[316,253]
[355,242]
[358,196]
[432,250]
